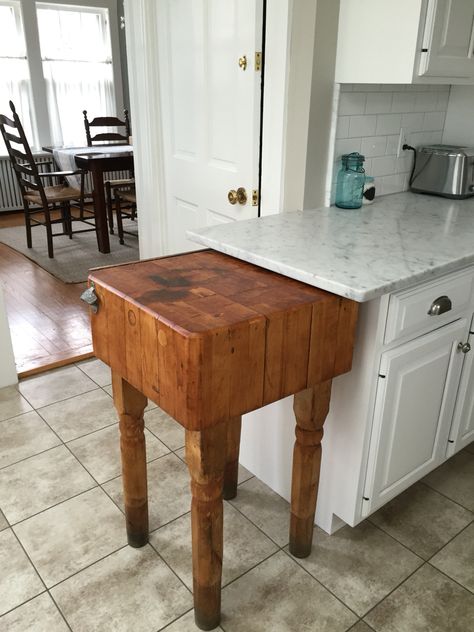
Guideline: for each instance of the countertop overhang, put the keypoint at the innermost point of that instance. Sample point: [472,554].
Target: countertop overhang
[361,254]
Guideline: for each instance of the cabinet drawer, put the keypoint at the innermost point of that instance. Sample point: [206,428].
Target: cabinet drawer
[429,306]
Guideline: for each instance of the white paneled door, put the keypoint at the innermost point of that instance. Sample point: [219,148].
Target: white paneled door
[210,88]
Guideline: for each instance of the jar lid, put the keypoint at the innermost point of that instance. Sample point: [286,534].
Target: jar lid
[353,156]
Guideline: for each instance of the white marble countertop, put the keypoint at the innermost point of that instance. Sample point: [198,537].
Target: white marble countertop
[361,254]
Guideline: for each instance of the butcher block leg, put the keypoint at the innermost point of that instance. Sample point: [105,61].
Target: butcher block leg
[206,458]
[130,405]
[311,407]
[232,461]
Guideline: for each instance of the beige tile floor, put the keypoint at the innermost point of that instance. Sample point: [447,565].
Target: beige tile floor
[65,565]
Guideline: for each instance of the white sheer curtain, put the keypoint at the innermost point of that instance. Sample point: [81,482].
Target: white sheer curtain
[14,73]
[77,66]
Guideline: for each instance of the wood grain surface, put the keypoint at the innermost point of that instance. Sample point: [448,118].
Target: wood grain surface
[208,337]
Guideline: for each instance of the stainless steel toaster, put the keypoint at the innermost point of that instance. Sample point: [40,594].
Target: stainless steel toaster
[446,170]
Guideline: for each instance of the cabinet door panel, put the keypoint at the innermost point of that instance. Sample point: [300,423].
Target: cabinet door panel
[413,412]
[449,39]
[462,430]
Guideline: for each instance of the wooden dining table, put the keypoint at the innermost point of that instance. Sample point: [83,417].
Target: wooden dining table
[98,160]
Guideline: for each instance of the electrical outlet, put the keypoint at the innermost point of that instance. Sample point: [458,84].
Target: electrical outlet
[402,140]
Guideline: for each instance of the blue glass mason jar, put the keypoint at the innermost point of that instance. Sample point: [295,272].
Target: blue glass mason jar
[350,181]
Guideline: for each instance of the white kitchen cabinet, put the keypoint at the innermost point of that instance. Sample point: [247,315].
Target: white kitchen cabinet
[462,429]
[414,403]
[408,41]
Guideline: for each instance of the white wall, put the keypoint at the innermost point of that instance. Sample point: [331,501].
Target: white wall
[7,361]
[459,126]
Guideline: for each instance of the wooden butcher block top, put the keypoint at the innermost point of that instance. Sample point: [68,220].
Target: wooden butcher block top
[208,337]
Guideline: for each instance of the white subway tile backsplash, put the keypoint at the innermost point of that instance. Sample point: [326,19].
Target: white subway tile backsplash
[442,101]
[378,102]
[362,125]
[403,102]
[342,128]
[346,146]
[388,124]
[392,144]
[433,121]
[412,120]
[425,102]
[352,103]
[384,166]
[375,130]
[373,146]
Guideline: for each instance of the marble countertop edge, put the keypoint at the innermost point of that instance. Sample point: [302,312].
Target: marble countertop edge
[360,295]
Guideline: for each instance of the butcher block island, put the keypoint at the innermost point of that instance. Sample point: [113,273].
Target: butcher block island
[209,338]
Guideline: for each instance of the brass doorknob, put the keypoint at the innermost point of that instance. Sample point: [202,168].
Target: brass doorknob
[243,62]
[241,195]
[232,196]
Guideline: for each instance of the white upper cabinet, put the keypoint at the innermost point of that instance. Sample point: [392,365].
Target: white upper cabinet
[448,40]
[408,41]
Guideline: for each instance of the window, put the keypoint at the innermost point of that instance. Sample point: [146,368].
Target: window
[55,62]
[14,71]
[77,67]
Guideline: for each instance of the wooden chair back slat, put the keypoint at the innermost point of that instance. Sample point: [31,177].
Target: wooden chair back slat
[19,154]
[13,138]
[107,121]
[4,120]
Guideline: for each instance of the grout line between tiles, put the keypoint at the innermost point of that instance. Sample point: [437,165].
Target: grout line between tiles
[422,482]
[60,611]
[412,550]
[450,578]
[60,401]
[295,559]
[43,592]
[100,559]
[168,625]
[394,589]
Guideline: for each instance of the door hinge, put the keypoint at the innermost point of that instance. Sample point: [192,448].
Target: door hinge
[258,61]
[255,197]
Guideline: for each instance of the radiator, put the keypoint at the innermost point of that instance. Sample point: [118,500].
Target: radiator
[10,195]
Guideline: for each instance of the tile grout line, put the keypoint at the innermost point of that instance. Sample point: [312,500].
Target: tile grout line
[296,560]
[43,592]
[412,550]
[444,495]
[394,589]
[450,578]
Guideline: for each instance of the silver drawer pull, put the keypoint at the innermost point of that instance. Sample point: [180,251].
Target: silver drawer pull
[440,305]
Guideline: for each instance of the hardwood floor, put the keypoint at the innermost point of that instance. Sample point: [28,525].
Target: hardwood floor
[49,324]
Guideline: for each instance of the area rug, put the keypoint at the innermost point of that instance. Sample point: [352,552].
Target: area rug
[74,257]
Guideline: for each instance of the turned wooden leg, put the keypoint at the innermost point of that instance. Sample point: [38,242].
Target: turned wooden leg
[130,405]
[311,407]
[232,460]
[206,456]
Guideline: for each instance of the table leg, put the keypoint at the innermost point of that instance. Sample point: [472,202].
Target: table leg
[205,456]
[311,407]
[231,472]
[100,210]
[130,405]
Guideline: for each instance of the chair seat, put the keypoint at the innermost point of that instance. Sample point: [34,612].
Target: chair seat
[128,196]
[57,193]
[120,182]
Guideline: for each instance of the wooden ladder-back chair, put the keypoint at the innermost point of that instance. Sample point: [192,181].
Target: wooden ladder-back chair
[40,200]
[109,137]
[125,207]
